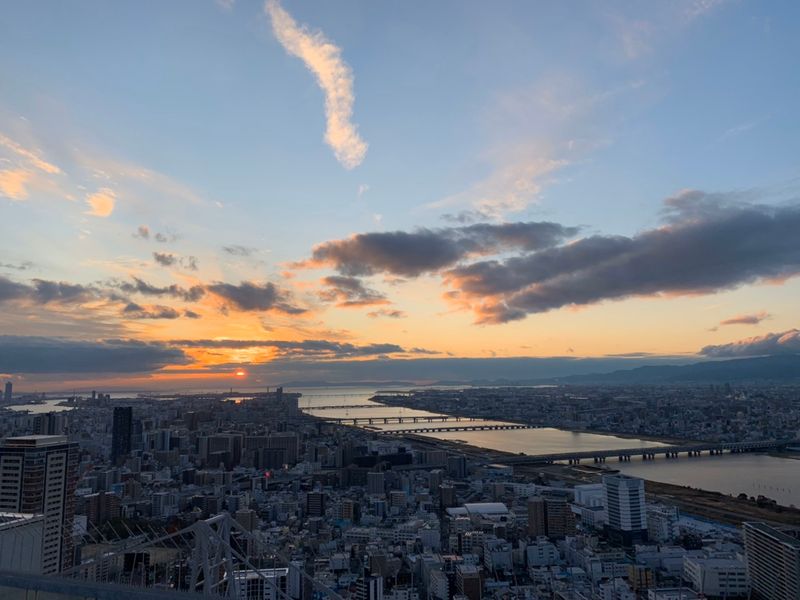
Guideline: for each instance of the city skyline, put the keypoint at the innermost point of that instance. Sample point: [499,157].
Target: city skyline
[233,193]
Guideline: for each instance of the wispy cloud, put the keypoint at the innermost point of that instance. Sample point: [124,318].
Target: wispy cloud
[29,156]
[27,168]
[739,129]
[101,203]
[334,76]
[510,188]
[700,8]
[387,312]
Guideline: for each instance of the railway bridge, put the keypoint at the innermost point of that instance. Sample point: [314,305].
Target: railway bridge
[398,419]
[650,452]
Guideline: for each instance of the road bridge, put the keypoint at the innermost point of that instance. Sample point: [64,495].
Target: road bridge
[474,427]
[341,406]
[398,419]
[650,452]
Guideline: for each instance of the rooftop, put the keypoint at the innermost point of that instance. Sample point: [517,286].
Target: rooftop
[34,441]
[778,535]
[12,519]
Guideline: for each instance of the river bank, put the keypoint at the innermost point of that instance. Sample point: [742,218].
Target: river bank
[707,504]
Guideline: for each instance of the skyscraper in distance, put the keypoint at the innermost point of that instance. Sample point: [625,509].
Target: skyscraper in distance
[121,430]
[8,394]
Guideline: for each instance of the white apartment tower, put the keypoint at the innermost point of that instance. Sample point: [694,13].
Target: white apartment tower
[773,562]
[38,474]
[627,513]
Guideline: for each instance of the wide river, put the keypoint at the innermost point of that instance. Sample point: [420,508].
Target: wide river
[753,474]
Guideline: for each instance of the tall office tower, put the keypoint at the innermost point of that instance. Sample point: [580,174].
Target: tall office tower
[627,513]
[7,396]
[121,431]
[773,562]
[537,519]
[38,474]
[315,504]
[376,483]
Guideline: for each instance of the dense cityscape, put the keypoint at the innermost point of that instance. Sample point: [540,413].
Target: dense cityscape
[399,300]
[310,506]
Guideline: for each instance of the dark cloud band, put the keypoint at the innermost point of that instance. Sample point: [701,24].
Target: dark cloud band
[31,354]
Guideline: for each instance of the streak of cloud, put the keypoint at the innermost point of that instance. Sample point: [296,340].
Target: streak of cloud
[35,354]
[334,76]
[30,156]
[429,250]
[322,349]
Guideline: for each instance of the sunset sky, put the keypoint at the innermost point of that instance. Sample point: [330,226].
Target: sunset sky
[228,193]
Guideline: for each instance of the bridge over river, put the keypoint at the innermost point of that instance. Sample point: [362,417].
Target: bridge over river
[650,452]
[396,419]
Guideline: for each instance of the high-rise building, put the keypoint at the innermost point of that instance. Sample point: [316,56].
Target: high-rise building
[52,423]
[100,507]
[288,442]
[662,523]
[435,478]
[315,504]
[447,495]
[625,504]
[38,474]
[9,392]
[773,562]
[369,587]
[270,458]
[457,466]
[376,483]
[468,582]
[121,430]
[550,515]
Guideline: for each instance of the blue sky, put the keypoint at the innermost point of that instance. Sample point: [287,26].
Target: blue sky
[197,120]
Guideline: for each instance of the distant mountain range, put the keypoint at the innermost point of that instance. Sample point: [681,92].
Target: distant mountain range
[779,369]
[783,368]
